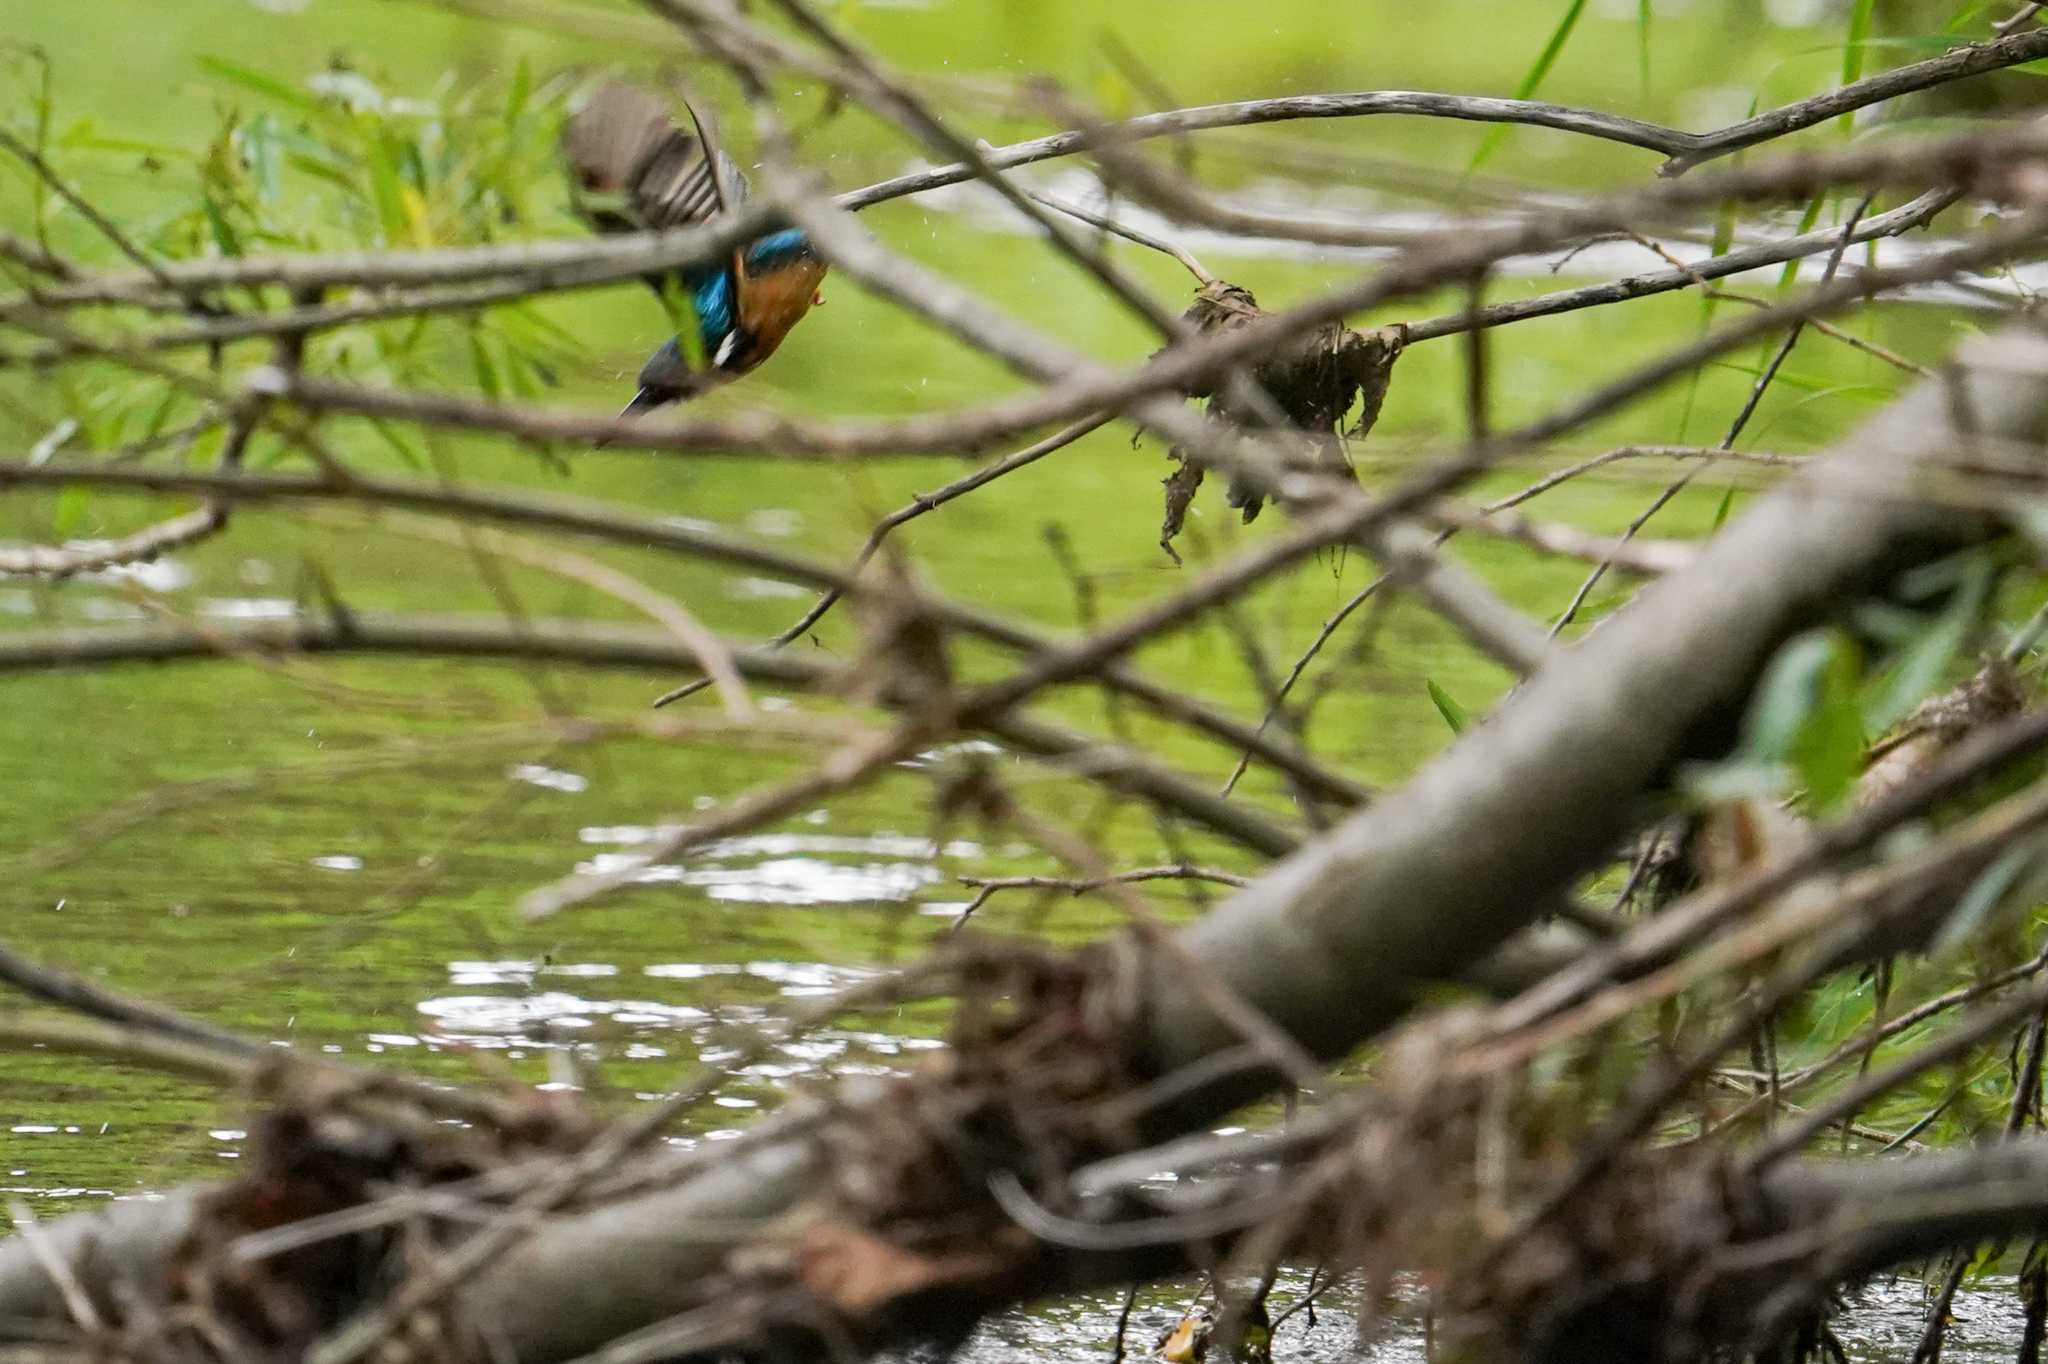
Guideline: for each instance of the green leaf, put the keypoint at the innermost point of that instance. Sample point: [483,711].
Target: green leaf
[1806,715]
[406,451]
[82,137]
[387,189]
[1453,713]
[69,514]
[1829,749]
[1806,222]
[267,86]
[521,91]
[1853,49]
[262,153]
[682,316]
[322,169]
[521,371]
[1559,36]
[1789,693]
[1643,9]
[205,451]
[1968,15]
[412,165]
[1985,894]
[224,234]
[1112,93]
[41,106]
[1926,658]
[1726,219]
[486,372]
[542,325]
[153,426]
[1727,504]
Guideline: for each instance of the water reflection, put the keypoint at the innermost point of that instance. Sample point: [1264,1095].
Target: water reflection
[782,881]
[490,1020]
[766,589]
[522,1017]
[249,608]
[754,845]
[774,873]
[163,574]
[798,978]
[1881,1323]
[778,522]
[549,779]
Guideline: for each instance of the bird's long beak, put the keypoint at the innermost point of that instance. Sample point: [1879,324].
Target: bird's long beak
[642,402]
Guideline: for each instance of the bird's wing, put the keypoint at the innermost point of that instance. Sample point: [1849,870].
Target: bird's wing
[635,169]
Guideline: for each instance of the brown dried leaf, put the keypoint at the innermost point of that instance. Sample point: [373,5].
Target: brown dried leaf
[1370,358]
[1180,493]
[1936,725]
[1734,837]
[859,1273]
[1313,380]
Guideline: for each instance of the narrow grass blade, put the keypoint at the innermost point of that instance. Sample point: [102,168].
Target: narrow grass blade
[1530,83]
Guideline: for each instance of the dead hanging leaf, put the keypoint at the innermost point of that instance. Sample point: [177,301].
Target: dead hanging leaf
[858,1273]
[1180,493]
[1313,380]
[1937,725]
[1714,846]
[1369,357]
[1732,838]
[1219,306]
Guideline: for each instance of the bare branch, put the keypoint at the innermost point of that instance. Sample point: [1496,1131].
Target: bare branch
[582,518]
[1957,64]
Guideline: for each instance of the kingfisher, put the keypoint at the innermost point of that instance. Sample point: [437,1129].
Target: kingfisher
[635,169]
[1188,1340]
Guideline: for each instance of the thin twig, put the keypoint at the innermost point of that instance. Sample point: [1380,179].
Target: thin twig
[919,505]
[1735,428]
[1128,233]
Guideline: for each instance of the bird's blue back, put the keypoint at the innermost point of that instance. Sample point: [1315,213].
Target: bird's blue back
[711,291]
[766,253]
[711,296]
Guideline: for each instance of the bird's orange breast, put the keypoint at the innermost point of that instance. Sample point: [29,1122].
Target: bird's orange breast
[774,301]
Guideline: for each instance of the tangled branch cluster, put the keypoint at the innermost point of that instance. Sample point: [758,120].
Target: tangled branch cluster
[1564,1163]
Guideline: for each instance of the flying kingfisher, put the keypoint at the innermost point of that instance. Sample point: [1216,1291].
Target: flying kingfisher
[634,170]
